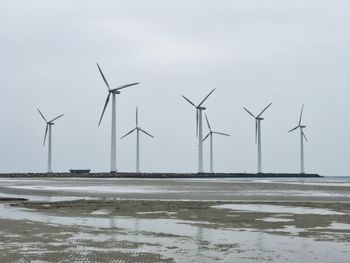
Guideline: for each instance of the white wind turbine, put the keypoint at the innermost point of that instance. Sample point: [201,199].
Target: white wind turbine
[112,92]
[258,119]
[138,130]
[302,137]
[49,129]
[199,129]
[210,134]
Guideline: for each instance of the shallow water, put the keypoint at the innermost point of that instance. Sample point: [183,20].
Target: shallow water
[276,219]
[190,189]
[188,241]
[278,209]
[339,226]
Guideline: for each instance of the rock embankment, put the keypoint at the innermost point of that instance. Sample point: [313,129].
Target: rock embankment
[156,175]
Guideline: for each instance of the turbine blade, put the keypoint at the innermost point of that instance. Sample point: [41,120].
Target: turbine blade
[206,117]
[301,114]
[137,117]
[294,129]
[256,130]
[305,137]
[189,101]
[264,110]
[128,133]
[47,127]
[249,112]
[103,76]
[56,118]
[221,133]
[146,133]
[42,115]
[206,137]
[206,98]
[104,108]
[125,86]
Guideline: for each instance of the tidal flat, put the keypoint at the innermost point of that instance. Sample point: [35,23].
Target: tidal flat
[174,221]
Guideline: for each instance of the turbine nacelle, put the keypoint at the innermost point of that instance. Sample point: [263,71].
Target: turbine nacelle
[198,108]
[48,131]
[48,123]
[300,126]
[257,119]
[211,132]
[137,128]
[111,91]
[302,138]
[114,92]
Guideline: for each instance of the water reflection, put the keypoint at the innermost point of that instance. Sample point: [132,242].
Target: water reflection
[179,240]
[199,240]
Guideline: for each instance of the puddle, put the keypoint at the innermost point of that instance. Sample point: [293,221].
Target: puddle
[296,193]
[154,225]
[126,189]
[320,184]
[339,226]
[275,219]
[185,242]
[277,209]
[101,212]
[157,212]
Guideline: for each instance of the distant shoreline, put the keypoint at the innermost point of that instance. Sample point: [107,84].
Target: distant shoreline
[157,175]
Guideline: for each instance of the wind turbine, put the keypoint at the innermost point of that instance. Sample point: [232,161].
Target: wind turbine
[210,134]
[48,129]
[199,129]
[302,137]
[112,92]
[138,130]
[258,119]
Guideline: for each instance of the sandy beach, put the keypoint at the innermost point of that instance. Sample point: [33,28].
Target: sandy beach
[174,220]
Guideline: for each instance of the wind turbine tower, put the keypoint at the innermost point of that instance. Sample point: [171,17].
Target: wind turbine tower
[138,130]
[48,129]
[199,128]
[210,135]
[112,92]
[258,120]
[302,137]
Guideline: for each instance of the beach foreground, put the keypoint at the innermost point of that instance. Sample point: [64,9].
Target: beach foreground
[174,220]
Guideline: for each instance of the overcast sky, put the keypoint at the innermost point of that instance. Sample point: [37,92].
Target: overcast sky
[253,52]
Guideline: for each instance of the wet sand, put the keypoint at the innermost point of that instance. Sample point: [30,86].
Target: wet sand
[207,213]
[206,225]
[178,189]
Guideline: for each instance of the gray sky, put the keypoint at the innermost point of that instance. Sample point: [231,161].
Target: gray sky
[253,52]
